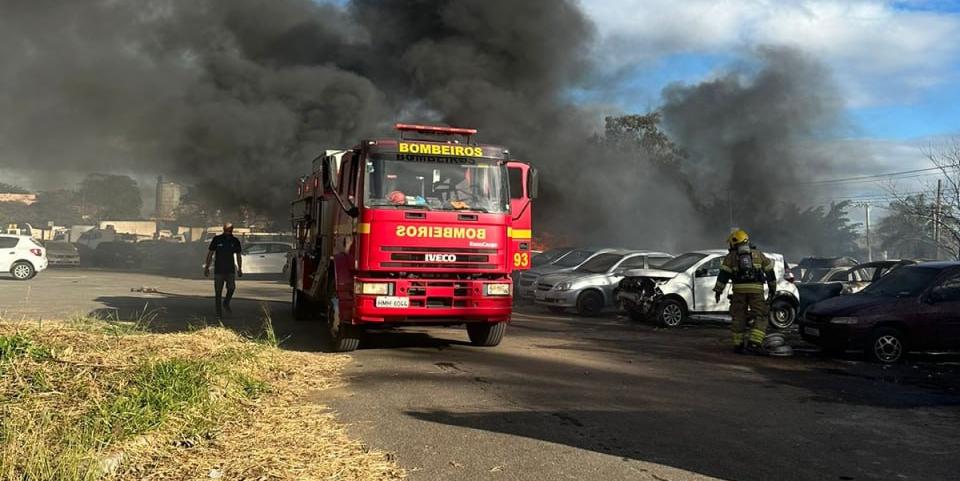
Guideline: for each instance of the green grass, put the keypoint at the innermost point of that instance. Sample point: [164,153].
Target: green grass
[18,345]
[157,390]
[59,418]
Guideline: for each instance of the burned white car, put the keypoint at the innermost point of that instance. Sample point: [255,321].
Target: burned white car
[683,288]
[589,287]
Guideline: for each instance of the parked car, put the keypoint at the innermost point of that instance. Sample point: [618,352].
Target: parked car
[548,256]
[265,257]
[22,256]
[117,255]
[589,287]
[843,281]
[683,287]
[62,254]
[570,260]
[815,269]
[913,308]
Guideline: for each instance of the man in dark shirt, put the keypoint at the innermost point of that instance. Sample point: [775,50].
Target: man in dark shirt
[224,248]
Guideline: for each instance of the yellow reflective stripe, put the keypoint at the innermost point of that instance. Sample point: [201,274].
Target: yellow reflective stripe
[519,233]
[757,335]
[363,228]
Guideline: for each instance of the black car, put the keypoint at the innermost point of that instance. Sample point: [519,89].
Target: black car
[913,308]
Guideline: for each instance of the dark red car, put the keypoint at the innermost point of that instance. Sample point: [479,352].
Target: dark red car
[914,308]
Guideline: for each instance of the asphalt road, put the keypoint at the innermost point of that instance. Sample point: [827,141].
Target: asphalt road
[570,398]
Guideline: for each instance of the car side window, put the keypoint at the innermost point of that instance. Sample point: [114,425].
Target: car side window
[279,248]
[8,242]
[710,269]
[948,290]
[657,261]
[841,276]
[632,263]
[257,249]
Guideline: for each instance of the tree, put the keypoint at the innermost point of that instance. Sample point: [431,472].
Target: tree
[12,189]
[105,196]
[62,207]
[642,135]
[905,235]
[941,210]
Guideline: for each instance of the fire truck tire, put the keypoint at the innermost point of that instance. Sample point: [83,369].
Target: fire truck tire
[343,337]
[486,334]
[301,306]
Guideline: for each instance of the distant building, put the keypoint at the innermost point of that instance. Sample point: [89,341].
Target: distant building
[168,199]
[22,198]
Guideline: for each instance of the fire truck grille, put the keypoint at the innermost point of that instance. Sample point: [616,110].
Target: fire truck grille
[439,258]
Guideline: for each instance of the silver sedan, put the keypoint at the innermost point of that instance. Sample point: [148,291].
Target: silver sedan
[589,287]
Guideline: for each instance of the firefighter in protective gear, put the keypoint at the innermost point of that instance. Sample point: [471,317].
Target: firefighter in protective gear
[748,269]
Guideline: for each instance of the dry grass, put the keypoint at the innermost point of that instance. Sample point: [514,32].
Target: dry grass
[84,401]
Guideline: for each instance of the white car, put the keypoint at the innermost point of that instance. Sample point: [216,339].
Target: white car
[265,257]
[22,256]
[683,287]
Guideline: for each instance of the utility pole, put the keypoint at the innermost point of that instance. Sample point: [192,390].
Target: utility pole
[866,205]
[937,213]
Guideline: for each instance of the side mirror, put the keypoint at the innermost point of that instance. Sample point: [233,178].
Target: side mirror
[533,181]
[329,174]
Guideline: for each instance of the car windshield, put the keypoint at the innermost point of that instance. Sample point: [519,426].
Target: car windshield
[548,256]
[447,183]
[905,282]
[600,263]
[683,262]
[574,258]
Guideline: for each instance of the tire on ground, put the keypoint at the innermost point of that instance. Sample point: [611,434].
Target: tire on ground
[887,345]
[671,313]
[786,308]
[590,303]
[486,334]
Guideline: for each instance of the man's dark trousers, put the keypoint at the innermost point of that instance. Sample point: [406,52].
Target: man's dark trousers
[230,279]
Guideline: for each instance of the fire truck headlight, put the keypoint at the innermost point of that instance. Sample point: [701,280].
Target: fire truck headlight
[376,288]
[497,289]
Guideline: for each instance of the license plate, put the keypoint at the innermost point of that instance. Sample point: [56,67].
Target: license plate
[813,331]
[393,302]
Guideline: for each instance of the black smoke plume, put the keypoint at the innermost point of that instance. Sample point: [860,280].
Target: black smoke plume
[238,95]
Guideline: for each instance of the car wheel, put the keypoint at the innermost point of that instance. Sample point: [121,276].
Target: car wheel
[782,314]
[590,303]
[301,306]
[343,337]
[23,271]
[486,334]
[671,313]
[887,345]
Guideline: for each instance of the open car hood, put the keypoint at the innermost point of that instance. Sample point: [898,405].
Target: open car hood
[651,273]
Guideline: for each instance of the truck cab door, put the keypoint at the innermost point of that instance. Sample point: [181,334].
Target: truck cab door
[523,189]
[704,278]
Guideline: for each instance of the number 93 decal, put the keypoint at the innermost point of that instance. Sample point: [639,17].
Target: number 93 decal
[521,259]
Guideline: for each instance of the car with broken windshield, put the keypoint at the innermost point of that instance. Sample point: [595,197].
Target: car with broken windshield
[682,289]
[589,288]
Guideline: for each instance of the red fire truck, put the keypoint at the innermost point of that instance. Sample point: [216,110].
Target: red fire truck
[422,229]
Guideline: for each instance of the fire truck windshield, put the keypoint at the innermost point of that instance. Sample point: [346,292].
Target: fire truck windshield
[478,186]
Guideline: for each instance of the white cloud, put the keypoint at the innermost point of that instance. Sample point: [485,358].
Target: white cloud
[880,54]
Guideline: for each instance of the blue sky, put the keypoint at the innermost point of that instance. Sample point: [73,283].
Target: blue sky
[898,63]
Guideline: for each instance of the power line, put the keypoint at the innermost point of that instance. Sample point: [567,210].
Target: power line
[869,177]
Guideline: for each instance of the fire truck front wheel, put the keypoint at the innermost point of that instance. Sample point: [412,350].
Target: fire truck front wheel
[344,337]
[486,334]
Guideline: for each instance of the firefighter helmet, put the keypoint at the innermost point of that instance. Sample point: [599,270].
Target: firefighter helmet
[738,237]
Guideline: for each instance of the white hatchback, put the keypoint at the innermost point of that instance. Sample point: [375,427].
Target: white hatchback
[22,256]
